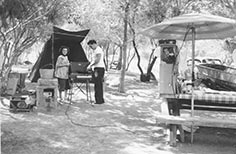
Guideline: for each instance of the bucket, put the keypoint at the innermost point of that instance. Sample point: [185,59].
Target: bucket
[46,73]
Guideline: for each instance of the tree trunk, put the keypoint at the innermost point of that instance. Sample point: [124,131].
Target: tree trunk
[135,49]
[130,61]
[120,59]
[138,56]
[106,55]
[122,75]
[143,77]
[149,70]
[113,57]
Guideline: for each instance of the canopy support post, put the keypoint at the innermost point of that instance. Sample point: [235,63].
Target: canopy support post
[193,77]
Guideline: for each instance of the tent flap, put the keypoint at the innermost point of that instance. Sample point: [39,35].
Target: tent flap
[69,35]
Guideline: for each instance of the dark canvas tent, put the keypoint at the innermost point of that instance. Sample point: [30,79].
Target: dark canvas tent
[60,37]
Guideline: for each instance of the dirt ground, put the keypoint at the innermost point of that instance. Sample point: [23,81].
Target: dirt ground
[125,124]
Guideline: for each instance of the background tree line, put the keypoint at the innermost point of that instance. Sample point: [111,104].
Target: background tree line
[114,23]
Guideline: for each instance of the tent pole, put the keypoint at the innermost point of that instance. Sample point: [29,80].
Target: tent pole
[193,78]
[53,50]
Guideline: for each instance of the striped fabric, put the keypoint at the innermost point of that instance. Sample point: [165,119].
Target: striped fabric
[226,99]
[206,26]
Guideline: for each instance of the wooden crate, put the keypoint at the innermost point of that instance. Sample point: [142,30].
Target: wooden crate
[44,101]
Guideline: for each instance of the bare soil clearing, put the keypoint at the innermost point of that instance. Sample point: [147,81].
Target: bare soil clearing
[125,124]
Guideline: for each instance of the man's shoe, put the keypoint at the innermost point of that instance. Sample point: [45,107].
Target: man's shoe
[99,103]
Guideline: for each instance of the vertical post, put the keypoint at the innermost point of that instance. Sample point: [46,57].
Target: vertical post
[173,134]
[53,49]
[193,65]
[193,73]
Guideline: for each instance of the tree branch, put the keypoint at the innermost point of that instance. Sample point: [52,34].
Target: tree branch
[135,47]
[228,5]
[2,41]
[28,20]
[130,61]
[187,5]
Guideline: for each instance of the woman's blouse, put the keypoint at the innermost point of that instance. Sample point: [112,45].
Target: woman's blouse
[62,67]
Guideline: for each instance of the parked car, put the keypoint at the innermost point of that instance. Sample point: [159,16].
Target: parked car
[114,65]
[204,60]
[197,61]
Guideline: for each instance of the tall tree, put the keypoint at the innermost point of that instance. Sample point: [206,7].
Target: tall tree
[23,22]
[123,68]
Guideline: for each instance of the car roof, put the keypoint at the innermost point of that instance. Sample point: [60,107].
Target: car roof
[202,58]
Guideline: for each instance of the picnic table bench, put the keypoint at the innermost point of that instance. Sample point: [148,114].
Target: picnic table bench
[208,101]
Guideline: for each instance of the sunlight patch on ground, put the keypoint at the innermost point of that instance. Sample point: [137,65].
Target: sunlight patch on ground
[6,115]
[122,126]
[44,122]
[116,103]
[129,104]
[114,97]
[138,148]
[46,115]
[141,93]
[81,115]
[114,112]
[59,144]
[131,78]
[142,129]
[146,110]
[112,81]
[107,130]
[127,98]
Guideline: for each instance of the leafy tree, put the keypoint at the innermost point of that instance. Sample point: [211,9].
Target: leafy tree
[229,7]
[225,8]
[23,22]
[32,20]
[146,13]
[103,19]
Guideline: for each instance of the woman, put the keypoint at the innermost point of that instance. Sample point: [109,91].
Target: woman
[62,72]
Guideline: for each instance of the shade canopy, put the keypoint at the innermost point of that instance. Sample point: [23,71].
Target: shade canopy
[206,27]
[193,27]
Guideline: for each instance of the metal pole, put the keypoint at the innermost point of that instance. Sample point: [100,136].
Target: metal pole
[193,78]
[53,49]
[193,73]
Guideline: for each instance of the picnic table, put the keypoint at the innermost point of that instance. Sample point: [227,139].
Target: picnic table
[206,101]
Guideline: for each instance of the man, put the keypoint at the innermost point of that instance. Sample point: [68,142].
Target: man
[98,67]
